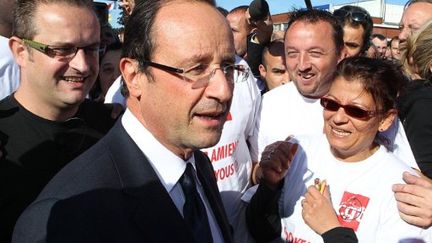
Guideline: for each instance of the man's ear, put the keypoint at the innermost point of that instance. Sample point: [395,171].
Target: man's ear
[19,50]
[387,120]
[128,6]
[343,54]
[262,71]
[131,76]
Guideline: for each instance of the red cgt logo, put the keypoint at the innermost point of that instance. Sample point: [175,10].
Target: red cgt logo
[351,209]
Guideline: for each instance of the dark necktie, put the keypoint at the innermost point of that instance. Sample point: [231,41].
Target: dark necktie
[194,211]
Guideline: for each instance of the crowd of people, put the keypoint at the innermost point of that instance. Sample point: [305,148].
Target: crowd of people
[199,124]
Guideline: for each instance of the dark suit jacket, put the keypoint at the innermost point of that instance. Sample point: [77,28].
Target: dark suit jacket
[112,194]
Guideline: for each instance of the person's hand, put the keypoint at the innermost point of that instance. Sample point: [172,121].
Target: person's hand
[414,200]
[318,212]
[275,161]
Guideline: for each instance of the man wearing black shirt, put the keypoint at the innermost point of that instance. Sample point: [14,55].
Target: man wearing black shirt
[45,123]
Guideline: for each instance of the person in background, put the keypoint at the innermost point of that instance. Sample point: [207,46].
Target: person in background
[372,51]
[416,101]
[241,29]
[395,51]
[146,180]
[252,28]
[415,197]
[272,69]
[108,71]
[357,26]
[415,15]
[108,36]
[48,122]
[9,70]
[345,163]
[380,42]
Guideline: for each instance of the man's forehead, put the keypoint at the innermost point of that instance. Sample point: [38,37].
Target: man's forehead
[189,29]
[378,41]
[313,30]
[312,27]
[58,23]
[235,19]
[417,13]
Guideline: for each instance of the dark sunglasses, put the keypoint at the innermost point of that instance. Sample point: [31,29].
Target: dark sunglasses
[355,16]
[350,110]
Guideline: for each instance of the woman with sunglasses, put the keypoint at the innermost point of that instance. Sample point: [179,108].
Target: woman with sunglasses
[346,162]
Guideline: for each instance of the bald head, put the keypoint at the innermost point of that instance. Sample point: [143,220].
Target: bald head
[413,18]
[240,28]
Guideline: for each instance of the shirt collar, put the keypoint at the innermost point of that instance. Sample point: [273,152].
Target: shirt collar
[168,166]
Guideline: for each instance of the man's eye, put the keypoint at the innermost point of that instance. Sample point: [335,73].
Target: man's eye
[108,69]
[291,54]
[63,51]
[279,71]
[197,70]
[352,45]
[315,53]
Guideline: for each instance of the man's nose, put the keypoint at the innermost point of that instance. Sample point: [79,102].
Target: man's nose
[82,62]
[220,87]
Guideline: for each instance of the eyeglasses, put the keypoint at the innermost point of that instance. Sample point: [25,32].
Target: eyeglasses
[62,53]
[199,75]
[350,110]
[355,16]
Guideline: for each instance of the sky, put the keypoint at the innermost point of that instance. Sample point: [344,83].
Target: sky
[276,6]
[282,6]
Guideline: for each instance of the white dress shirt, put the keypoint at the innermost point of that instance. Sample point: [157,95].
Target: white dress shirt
[9,70]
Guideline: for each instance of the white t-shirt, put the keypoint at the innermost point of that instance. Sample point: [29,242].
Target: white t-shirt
[284,112]
[230,156]
[9,70]
[361,193]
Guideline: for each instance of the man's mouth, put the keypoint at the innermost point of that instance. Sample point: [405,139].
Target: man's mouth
[306,76]
[74,79]
[211,115]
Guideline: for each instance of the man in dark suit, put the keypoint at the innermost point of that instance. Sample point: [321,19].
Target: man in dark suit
[146,180]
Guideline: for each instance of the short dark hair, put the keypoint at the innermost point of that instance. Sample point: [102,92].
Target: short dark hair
[379,36]
[316,15]
[223,11]
[24,13]
[271,47]
[367,24]
[395,38]
[380,78]
[139,33]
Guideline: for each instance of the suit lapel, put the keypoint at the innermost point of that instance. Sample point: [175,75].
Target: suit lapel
[155,213]
[208,180]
